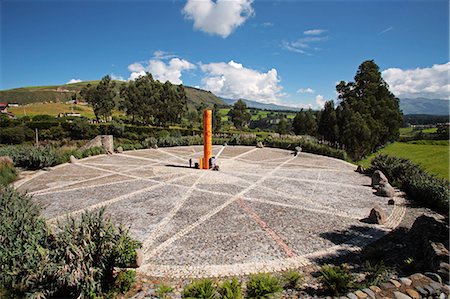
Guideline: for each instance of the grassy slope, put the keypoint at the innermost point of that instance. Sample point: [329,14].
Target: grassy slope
[39,94]
[433,158]
[408,132]
[54,109]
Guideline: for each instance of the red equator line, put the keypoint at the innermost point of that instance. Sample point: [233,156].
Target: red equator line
[265,227]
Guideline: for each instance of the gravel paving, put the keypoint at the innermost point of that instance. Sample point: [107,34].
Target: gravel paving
[265,210]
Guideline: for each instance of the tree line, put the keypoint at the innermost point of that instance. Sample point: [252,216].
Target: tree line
[367,115]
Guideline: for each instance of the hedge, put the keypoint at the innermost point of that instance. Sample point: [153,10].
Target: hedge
[419,185]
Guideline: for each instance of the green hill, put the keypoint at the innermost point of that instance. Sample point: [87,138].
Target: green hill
[62,93]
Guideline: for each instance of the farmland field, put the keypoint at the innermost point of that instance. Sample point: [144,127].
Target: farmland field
[53,109]
[433,156]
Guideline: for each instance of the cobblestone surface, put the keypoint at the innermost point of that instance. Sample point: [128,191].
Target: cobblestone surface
[265,210]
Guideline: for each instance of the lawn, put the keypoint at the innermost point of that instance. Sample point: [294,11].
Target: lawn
[409,132]
[53,109]
[432,156]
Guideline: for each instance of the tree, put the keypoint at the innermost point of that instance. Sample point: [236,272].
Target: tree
[217,119]
[283,126]
[369,101]
[305,123]
[101,97]
[239,114]
[328,126]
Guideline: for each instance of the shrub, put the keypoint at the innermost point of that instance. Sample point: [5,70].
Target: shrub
[88,249]
[202,289]
[150,142]
[375,273]
[231,289]
[15,135]
[291,279]
[77,261]
[31,157]
[24,255]
[163,290]
[263,286]
[420,186]
[336,279]
[125,280]
[93,151]
[7,172]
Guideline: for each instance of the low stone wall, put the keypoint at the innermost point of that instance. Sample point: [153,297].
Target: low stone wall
[104,141]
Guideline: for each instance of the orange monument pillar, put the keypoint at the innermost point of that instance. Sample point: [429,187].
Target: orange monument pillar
[207,138]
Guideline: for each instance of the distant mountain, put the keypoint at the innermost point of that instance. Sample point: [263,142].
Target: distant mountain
[258,105]
[62,93]
[424,106]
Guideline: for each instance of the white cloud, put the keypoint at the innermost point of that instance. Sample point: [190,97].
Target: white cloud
[233,80]
[162,71]
[320,101]
[432,82]
[163,55]
[74,81]
[386,30]
[314,31]
[304,45]
[117,77]
[267,24]
[305,90]
[219,17]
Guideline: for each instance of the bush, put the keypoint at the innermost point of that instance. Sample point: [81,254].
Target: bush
[77,261]
[336,279]
[93,151]
[24,237]
[32,157]
[15,135]
[420,186]
[163,290]
[263,286]
[291,279]
[231,289]
[125,280]
[202,289]
[7,172]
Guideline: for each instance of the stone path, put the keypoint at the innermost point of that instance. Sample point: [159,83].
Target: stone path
[265,210]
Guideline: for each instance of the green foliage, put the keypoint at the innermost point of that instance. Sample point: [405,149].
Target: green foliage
[368,115]
[163,290]
[239,115]
[328,126]
[305,123]
[375,273]
[231,289]
[263,285]
[93,151]
[31,157]
[216,119]
[283,126]
[15,135]
[7,173]
[291,279]
[101,97]
[202,289]
[336,279]
[24,237]
[418,184]
[125,280]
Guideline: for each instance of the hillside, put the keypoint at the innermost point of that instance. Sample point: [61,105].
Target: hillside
[258,105]
[62,93]
[424,106]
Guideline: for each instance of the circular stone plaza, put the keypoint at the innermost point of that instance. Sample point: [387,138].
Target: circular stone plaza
[266,210]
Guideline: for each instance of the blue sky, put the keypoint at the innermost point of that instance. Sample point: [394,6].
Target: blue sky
[288,52]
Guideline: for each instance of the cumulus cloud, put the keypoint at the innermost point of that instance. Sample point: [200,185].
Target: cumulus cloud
[74,81]
[305,90]
[219,17]
[314,31]
[233,80]
[431,83]
[320,101]
[162,71]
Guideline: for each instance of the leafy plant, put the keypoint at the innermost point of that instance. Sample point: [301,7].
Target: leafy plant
[125,280]
[263,285]
[291,279]
[7,171]
[231,289]
[375,273]
[93,151]
[336,279]
[202,289]
[163,290]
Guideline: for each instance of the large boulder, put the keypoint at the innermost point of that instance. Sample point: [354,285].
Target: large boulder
[378,178]
[104,141]
[377,216]
[73,160]
[386,190]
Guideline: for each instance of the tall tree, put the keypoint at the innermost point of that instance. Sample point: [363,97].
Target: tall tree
[305,123]
[283,126]
[239,114]
[369,101]
[101,97]
[328,126]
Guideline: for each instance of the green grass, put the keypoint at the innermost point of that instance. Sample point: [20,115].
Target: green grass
[54,109]
[409,132]
[262,113]
[432,156]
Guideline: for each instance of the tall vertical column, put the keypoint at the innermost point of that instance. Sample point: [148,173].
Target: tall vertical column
[207,137]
